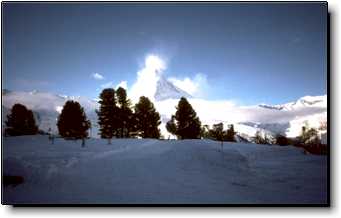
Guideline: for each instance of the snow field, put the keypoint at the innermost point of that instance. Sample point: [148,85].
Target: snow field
[161,172]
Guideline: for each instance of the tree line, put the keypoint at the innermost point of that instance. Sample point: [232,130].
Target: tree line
[118,118]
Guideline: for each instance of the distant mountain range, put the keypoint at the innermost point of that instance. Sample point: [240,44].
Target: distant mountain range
[268,119]
[307,101]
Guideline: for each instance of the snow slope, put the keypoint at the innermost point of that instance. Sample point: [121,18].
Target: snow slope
[156,171]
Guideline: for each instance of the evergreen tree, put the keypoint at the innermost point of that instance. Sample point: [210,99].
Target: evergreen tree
[125,118]
[72,122]
[108,114]
[21,121]
[218,131]
[171,126]
[309,136]
[188,124]
[230,133]
[282,140]
[148,119]
[259,139]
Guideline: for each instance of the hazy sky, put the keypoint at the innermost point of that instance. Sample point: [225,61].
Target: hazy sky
[251,53]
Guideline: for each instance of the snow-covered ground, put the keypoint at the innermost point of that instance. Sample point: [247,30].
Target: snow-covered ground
[161,171]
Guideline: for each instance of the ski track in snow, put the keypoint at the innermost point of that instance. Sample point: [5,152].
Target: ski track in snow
[161,171]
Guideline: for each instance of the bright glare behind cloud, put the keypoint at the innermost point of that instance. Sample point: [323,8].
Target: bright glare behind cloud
[147,78]
[153,62]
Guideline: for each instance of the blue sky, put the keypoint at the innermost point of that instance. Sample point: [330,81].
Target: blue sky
[251,53]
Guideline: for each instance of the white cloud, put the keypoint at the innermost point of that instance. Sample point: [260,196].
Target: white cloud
[122,84]
[192,86]
[59,109]
[147,78]
[97,76]
[107,85]
[209,111]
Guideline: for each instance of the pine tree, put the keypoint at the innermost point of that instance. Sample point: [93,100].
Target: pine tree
[21,121]
[259,139]
[282,140]
[230,133]
[72,122]
[108,114]
[309,136]
[188,124]
[218,131]
[125,118]
[148,119]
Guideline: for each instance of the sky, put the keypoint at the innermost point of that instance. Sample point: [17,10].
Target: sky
[249,53]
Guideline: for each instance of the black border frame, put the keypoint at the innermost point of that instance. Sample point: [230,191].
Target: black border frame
[328,204]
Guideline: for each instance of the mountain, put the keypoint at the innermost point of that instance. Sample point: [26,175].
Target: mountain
[46,106]
[286,119]
[307,101]
[166,90]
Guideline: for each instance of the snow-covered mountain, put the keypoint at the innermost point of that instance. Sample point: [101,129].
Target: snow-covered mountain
[46,106]
[166,90]
[307,101]
[268,119]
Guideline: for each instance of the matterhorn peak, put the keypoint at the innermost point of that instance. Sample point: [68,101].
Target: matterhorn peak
[167,90]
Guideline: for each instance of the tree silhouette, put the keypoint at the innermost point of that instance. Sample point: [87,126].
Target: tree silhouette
[21,121]
[148,119]
[309,136]
[230,133]
[218,131]
[72,122]
[125,114]
[282,140]
[108,114]
[259,139]
[188,124]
